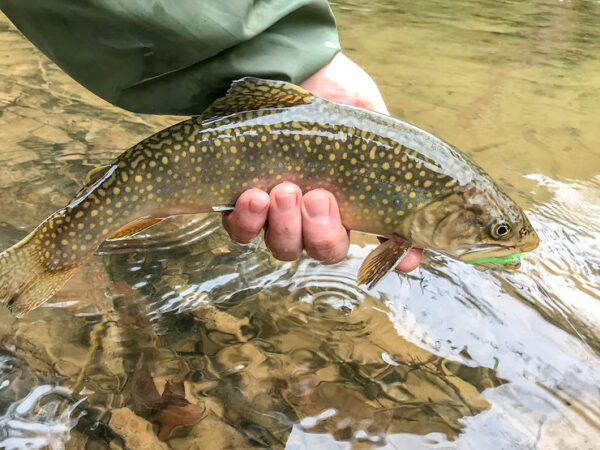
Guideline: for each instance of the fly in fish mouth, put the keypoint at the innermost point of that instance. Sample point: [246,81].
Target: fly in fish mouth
[489,251]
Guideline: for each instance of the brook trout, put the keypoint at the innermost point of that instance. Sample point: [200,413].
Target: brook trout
[390,178]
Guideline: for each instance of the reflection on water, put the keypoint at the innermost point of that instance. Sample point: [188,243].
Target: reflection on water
[181,339]
[36,422]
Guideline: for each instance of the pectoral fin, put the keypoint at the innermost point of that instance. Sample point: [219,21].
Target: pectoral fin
[132,228]
[382,261]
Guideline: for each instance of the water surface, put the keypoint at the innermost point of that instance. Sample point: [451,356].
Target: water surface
[184,336]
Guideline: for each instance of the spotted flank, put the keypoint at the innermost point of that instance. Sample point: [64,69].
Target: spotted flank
[389,177]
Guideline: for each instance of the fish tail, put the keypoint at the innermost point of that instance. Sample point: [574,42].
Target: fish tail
[25,281]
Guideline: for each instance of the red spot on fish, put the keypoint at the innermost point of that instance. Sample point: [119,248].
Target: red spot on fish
[269,152]
[251,157]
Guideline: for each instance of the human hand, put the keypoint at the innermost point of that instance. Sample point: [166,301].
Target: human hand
[310,221]
[344,81]
[295,222]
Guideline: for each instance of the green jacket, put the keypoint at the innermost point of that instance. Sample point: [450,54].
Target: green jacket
[177,56]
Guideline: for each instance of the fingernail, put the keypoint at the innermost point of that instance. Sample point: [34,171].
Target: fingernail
[286,202]
[258,205]
[317,208]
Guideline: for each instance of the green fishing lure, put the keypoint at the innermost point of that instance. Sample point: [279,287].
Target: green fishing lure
[510,259]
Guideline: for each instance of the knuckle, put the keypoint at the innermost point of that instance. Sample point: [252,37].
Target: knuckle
[241,232]
[328,249]
[285,254]
[282,249]
[326,244]
[334,259]
[245,232]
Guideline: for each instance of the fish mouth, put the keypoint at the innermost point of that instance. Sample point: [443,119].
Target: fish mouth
[484,251]
[489,251]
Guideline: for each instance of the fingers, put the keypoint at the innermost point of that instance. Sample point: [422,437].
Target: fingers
[312,222]
[411,261]
[249,216]
[325,238]
[284,233]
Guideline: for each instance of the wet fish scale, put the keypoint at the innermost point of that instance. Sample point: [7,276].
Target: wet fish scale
[262,133]
[373,179]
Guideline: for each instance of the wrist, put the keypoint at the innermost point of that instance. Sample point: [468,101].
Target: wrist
[343,81]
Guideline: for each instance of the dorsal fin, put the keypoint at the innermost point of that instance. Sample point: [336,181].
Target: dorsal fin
[251,94]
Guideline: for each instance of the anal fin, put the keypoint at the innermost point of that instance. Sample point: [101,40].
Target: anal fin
[133,227]
[382,261]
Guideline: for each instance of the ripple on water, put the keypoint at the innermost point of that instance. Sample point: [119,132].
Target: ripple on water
[538,325]
[294,313]
[294,354]
[39,420]
[286,341]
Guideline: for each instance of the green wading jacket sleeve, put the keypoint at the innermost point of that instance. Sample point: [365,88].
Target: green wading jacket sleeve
[177,56]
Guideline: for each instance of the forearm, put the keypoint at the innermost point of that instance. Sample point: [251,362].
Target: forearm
[165,57]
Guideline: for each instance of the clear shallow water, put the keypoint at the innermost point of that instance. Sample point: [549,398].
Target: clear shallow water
[294,355]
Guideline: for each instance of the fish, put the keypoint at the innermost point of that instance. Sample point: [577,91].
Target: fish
[390,179]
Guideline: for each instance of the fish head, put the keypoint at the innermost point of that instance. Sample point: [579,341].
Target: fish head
[474,222]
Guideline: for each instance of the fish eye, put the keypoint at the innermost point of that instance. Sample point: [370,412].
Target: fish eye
[500,230]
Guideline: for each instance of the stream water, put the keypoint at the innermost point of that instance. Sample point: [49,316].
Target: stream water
[182,339]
